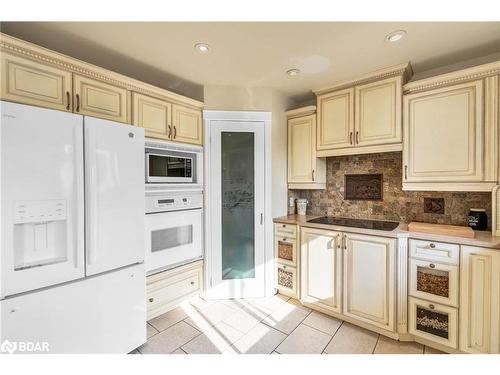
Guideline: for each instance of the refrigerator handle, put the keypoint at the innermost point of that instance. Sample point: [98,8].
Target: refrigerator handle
[91,167]
[79,180]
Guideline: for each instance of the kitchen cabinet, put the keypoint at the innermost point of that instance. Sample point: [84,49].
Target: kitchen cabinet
[450,132]
[29,82]
[369,284]
[154,115]
[305,170]
[321,268]
[187,125]
[362,115]
[99,99]
[479,300]
[286,280]
[285,249]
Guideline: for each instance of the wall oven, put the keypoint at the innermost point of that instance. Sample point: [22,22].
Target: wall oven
[170,163]
[174,224]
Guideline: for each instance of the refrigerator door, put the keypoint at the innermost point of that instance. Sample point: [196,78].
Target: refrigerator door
[114,195]
[42,210]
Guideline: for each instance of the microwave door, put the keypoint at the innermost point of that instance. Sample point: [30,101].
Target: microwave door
[163,168]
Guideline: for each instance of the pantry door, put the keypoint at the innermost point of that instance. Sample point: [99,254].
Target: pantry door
[236,231]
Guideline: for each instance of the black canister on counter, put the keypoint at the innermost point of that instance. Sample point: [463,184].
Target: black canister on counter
[478,220]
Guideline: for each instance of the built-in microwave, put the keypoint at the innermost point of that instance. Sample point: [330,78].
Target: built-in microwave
[168,163]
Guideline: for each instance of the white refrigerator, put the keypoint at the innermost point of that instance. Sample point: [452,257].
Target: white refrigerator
[72,232]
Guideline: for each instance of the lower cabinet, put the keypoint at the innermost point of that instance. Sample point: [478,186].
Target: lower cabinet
[321,265]
[165,290]
[286,280]
[479,300]
[369,279]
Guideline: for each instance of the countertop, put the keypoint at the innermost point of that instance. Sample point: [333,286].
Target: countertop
[482,238]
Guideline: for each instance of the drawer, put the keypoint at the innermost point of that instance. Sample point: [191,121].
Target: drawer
[168,289]
[285,230]
[432,321]
[435,251]
[434,281]
[286,280]
[285,250]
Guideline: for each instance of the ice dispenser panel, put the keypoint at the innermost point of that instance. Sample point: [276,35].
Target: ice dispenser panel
[40,233]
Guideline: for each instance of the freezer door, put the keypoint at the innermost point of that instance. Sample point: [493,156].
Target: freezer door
[114,195]
[42,222]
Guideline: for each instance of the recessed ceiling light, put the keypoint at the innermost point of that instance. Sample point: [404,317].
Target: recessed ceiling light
[202,47]
[395,36]
[293,72]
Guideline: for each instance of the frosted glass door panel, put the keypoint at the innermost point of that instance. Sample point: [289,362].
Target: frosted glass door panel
[238,208]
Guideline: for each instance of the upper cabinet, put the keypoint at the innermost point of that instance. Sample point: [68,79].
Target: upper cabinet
[34,83]
[363,115]
[99,99]
[36,76]
[305,170]
[451,131]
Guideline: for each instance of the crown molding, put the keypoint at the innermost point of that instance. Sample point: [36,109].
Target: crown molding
[404,70]
[453,78]
[303,111]
[31,51]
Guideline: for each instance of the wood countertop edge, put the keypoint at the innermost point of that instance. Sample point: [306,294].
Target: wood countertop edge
[482,239]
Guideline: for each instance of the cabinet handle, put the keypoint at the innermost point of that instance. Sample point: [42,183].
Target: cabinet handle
[313,174]
[432,246]
[350,138]
[431,306]
[406,172]
[284,239]
[169,131]
[68,100]
[357,137]
[78,102]
[192,282]
[284,267]
[151,300]
[284,225]
[175,132]
[338,241]
[432,265]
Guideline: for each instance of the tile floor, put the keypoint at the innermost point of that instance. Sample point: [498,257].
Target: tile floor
[276,325]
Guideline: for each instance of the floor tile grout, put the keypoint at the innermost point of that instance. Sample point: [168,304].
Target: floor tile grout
[376,343]
[340,325]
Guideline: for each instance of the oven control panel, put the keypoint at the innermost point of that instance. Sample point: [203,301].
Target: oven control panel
[174,201]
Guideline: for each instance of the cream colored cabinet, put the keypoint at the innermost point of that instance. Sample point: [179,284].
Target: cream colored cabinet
[378,113]
[321,269]
[479,300]
[99,99]
[187,125]
[450,132]
[362,115]
[34,83]
[154,115]
[336,120]
[305,170]
[369,284]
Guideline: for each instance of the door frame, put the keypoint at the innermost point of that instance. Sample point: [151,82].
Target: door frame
[235,117]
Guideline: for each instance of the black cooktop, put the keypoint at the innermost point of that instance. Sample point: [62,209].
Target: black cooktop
[356,223]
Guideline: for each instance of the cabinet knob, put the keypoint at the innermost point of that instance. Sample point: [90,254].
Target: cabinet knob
[432,246]
[151,300]
[431,306]
[432,265]
[284,267]
[283,225]
[192,282]
[284,239]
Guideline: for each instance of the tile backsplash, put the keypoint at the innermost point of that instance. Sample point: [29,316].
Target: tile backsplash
[399,205]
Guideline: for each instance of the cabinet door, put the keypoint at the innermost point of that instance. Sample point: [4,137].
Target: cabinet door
[187,125]
[286,280]
[336,120]
[479,300]
[321,268]
[99,99]
[29,82]
[443,134]
[378,113]
[369,268]
[153,115]
[301,149]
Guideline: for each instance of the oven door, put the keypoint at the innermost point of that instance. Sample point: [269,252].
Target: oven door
[164,168]
[173,238]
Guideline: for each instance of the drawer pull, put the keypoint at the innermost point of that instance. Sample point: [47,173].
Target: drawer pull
[432,265]
[284,225]
[284,239]
[192,283]
[431,306]
[432,246]
[284,267]
[151,300]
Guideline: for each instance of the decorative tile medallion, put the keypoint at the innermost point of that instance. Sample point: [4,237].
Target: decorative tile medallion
[363,187]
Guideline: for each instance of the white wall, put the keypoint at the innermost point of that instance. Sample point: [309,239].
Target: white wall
[232,98]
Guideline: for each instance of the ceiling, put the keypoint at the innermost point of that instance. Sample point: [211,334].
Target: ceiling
[258,54]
